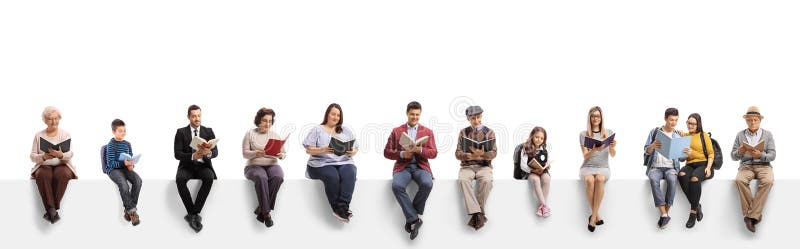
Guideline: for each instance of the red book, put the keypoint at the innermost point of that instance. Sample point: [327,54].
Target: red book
[273,147]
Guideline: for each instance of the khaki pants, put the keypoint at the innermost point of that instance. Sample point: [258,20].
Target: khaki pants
[484,176]
[753,205]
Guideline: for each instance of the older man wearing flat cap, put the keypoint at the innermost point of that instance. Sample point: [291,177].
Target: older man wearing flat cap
[755,149]
[476,149]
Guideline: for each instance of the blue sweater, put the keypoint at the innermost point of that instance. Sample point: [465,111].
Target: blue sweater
[113,149]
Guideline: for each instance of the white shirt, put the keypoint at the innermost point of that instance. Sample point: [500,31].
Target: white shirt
[197,130]
[753,138]
[523,162]
[660,160]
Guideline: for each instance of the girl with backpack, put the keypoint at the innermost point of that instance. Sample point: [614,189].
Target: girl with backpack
[698,166]
[534,162]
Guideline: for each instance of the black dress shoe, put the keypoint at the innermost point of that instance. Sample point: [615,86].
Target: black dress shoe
[56,218]
[415,226]
[691,221]
[259,215]
[260,218]
[699,213]
[591,227]
[268,221]
[194,222]
[600,222]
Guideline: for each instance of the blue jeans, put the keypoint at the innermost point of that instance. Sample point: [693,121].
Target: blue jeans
[656,175]
[339,181]
[399,182]
[129,194]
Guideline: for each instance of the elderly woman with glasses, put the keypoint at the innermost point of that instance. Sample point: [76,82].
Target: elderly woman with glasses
[52,160]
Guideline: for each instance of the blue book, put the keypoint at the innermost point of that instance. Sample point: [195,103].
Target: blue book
[126,157]
[672,148]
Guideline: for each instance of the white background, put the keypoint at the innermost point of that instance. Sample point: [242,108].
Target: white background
[525,62]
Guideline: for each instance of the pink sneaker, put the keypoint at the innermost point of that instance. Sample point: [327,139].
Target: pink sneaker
[540,210]
[545,211]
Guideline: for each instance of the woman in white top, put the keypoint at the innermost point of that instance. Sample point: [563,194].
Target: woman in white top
[595,169]
[263,168]
[53,166]
[336,170]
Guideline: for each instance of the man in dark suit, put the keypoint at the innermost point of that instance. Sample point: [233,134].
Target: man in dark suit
[194,164]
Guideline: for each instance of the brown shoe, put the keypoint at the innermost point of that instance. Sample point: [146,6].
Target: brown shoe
[473,221]
[126,216]
[748,222]
[134,218]
[481,220]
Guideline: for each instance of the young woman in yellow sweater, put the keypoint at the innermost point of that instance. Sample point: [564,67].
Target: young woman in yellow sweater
[697,168]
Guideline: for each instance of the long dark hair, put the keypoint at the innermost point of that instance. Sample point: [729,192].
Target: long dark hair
[530,147]
[341,116]
[696,117]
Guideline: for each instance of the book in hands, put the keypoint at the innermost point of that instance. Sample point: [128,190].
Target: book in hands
[467,144]
[539,160]
[274,146]
[672,148]
[409,143]
[44,145]
[750,147]
[591,143]
[341,147]
[128,157]
[198,141]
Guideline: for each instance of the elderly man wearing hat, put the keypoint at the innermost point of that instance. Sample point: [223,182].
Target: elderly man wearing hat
[475,151]
[755,148]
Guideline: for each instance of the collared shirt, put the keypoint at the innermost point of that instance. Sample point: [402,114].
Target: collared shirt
[195,133]
[412,132]
[753,138]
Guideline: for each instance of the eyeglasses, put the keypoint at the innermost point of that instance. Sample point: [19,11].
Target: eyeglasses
[690,123]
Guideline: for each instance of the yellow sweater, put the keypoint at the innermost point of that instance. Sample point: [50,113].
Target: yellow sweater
[697,149]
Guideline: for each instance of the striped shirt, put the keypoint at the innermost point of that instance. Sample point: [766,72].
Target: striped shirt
[115,148]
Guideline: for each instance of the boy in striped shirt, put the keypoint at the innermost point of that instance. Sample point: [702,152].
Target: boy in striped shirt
[121,171]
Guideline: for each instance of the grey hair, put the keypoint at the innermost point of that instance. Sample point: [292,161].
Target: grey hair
[50,110]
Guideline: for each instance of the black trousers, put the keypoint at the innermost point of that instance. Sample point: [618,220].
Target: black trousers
[693,189]
[206,175]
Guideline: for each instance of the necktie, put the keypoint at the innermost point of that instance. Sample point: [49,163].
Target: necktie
[195,132]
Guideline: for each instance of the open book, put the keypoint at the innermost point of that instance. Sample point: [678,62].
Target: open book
[485,145]
[341,147]
[672,148]
[750,147]
[540,160]
[44,145]
[409,143]
[590,142]
[198,141]
[128,157]
[274,146]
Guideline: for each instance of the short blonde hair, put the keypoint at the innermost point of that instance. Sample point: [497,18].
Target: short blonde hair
[50,110]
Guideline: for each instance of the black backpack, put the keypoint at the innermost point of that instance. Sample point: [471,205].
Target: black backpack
[518,173]
[717,164]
